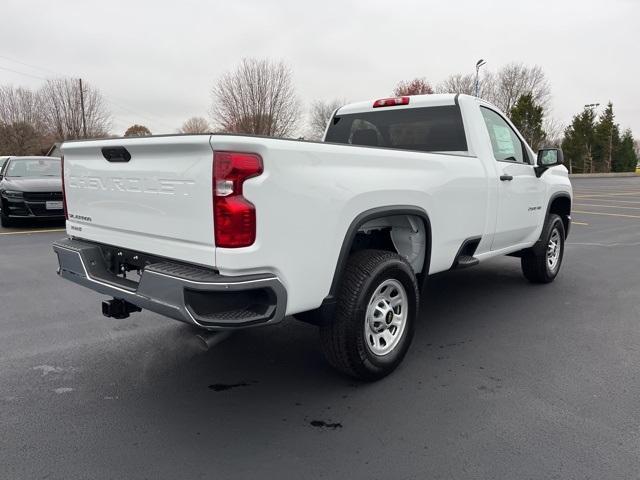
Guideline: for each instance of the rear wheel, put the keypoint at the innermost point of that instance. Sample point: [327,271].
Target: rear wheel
[541,263]
[375,315]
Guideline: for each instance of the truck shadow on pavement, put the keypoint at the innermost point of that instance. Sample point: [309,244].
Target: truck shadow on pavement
[269,391]
[456,306]
[278,377]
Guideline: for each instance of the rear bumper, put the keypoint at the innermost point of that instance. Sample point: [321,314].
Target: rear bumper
[191,294]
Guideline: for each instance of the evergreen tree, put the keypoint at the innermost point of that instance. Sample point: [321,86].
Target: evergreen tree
[606,140]
[579,138]
[625,158]
[527,116]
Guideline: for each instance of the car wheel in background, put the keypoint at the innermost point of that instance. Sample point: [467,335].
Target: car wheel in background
[5,221]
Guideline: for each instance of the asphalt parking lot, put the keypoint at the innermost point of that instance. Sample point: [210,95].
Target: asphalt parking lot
[504,380]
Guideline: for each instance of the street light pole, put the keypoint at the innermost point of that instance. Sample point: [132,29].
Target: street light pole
[479,63]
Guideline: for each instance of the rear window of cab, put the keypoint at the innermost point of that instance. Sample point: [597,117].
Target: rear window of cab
[425,129]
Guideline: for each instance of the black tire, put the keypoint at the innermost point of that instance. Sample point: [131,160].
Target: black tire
[535,266]
[343,337]
[5,221]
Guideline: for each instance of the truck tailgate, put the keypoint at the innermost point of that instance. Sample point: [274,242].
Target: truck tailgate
[159,201]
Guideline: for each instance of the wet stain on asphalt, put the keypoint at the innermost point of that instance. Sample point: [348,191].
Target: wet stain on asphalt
[222,387]
[454,344]
[495,388]
[323,424]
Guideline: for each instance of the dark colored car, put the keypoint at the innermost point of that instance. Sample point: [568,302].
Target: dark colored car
[30,188]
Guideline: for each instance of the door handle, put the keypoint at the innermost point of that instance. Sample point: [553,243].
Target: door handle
[506,177]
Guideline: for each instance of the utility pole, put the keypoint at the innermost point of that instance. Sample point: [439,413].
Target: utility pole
[84,119]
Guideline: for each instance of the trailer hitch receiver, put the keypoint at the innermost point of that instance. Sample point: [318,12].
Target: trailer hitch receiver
[118,308]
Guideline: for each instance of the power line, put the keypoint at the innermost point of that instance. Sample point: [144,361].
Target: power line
[33,66]
[22,73]
[130,111]
[138,114]
[148,116]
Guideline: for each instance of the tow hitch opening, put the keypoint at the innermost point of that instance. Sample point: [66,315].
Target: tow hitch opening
[118,308]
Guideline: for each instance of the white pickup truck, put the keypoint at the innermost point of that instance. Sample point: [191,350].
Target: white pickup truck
[230,231]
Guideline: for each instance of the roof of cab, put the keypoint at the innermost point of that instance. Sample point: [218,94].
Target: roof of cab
[415,101]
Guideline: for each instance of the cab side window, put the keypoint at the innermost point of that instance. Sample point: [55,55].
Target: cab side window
[507,147]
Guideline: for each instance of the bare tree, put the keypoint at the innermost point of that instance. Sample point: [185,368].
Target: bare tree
[457,83]
[466,84]
[21,138]
[22,126]
[516,79]
[136,130]
[319,115]
[63,110]
[257,97]
[503,88]
[553,132]
[417,86]
[195,125]
[20,105]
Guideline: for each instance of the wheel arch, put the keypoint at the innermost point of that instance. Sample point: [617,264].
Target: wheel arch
[327,308]
[372,214]
[560,204]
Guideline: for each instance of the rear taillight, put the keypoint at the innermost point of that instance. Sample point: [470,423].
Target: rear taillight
[64,196]
[391,102]
[234,217]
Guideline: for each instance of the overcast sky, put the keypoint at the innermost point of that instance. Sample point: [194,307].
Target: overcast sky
[155,61]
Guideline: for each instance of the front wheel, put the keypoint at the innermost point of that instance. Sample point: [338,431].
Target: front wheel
[5,221]
[376,309]
[541,263]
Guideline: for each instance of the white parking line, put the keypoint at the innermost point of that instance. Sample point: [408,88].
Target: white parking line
[607,214]
[611,200]
[27,232]
[616,194]
[605,206]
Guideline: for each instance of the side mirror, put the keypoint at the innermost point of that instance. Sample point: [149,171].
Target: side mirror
[548,157]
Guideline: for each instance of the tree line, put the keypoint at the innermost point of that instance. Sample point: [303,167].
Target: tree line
[258,97]
[592,142]
[31,121]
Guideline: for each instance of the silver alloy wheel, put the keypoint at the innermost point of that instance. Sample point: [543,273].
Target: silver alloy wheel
[553,250]
[386,317]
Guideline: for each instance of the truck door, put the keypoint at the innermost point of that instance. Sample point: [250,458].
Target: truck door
[520,192]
